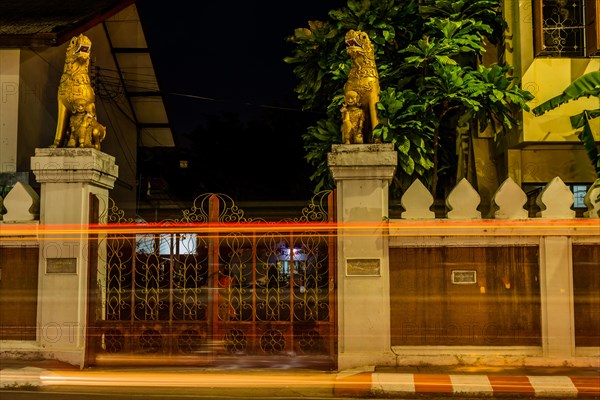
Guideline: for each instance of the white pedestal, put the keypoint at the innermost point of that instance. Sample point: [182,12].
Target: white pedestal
[362,174]
[68,177]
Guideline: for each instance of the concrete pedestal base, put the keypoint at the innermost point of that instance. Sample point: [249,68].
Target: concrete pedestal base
[69,178]
[362,174]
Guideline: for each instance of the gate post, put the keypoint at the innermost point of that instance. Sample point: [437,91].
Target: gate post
[68,177]
[362,175]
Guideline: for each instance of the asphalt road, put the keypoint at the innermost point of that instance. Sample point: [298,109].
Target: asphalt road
[214,394]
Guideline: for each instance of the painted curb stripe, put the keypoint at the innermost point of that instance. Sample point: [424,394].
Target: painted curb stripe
[472,384]
[432,383]
[369,383]
[393,383]
[511,384]
[587,386]
[553,386]
[354,385]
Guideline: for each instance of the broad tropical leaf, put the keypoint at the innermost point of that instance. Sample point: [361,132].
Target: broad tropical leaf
[584,86]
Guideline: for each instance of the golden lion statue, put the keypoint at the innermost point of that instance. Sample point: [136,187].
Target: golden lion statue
[76,124]
[364,80]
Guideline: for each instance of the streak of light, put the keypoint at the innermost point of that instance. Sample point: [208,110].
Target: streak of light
[392,228]
[183,379]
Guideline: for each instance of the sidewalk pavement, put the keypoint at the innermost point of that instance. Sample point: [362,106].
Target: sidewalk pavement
[541,382]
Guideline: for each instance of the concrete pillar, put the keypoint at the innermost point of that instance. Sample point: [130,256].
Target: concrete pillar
[362,175]
[556,274]
[67,178]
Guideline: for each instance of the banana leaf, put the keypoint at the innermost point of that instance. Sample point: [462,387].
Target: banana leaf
[584,86]
[587,137]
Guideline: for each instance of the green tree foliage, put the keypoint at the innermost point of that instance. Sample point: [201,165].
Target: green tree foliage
[427,56]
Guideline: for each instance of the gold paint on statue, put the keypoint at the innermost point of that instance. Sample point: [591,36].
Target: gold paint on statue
[353,118]
[76,121]
[363,79]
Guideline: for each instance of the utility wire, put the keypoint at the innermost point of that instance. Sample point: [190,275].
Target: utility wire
[243,103]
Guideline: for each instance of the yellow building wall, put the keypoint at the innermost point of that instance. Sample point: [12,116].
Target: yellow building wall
[547,78]
[545,146]
[544,78]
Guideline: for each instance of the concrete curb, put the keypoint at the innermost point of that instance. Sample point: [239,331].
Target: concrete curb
[356,383]
[18,377]
[364,384]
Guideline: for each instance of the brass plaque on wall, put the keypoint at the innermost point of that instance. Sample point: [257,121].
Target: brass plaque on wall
[363,267]
[464,277]
[61,265]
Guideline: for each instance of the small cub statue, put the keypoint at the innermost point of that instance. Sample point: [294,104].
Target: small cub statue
[361,91]
[353,118]
[76,124]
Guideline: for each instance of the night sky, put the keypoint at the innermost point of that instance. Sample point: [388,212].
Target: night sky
[226,61]
[231,51]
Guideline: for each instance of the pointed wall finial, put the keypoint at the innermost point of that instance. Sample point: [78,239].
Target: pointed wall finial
[555,200]
[508,201]
[463,201]
[22,203]
[591,200]
[417,202]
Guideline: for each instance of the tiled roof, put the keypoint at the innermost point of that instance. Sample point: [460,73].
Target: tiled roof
[51,22]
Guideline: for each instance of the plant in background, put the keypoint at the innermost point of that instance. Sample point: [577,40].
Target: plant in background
[322,66]
[432,86]
[585,86]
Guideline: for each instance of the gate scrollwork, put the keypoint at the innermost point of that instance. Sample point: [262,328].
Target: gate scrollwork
[168,289]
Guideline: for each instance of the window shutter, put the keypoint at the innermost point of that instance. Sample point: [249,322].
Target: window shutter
[592,27]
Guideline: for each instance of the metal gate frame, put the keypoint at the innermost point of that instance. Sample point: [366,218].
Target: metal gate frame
[215,288]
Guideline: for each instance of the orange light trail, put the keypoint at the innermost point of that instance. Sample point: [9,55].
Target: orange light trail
[392,228]
[190,379]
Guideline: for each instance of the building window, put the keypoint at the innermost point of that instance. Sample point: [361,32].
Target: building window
[579,192]
[183,243]
[566,28]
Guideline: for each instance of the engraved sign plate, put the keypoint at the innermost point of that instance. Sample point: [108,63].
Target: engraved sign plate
[363,267]
[61,266]
[464,277]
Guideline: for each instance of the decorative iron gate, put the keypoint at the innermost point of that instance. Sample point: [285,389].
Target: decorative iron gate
[182,292]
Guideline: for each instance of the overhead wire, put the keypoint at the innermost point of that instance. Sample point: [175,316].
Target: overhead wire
[109,88]
[242,103]
[112,89]
[127,151]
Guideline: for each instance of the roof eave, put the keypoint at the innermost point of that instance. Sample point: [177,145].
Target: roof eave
[36,40]
[75,30]
[50,39]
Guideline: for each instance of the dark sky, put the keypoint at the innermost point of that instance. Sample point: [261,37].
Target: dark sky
[227,56]
[230,51]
